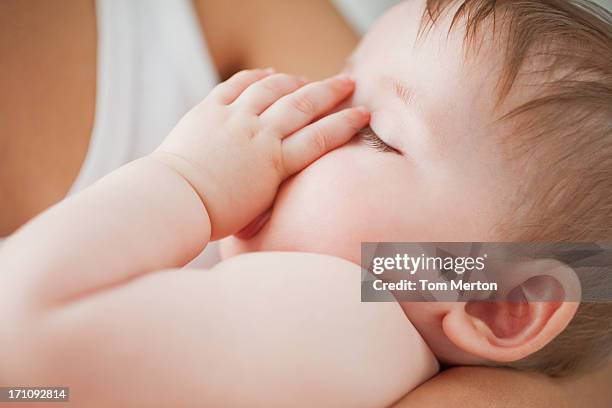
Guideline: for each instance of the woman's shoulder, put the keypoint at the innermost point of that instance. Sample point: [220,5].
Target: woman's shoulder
[478,387]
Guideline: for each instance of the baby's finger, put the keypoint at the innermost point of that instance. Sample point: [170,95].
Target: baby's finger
[316,139]
[229,90]
[294,111]
[261,94]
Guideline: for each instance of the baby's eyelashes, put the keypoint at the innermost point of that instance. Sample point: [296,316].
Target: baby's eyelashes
[371,139]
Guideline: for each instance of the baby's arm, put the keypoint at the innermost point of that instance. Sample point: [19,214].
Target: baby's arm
[82,307]
[258,330]
[141,218]
[218,169]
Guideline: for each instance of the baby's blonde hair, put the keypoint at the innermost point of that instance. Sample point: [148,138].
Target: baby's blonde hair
[559,52]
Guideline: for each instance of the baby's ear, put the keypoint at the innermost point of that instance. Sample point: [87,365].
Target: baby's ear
[539,301]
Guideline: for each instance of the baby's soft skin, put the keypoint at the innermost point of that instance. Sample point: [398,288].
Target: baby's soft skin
[93,297]
[430,167]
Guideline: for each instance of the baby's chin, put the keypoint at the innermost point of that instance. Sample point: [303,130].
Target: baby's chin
[233,246]
[295,237]
[268,238]
[271,236]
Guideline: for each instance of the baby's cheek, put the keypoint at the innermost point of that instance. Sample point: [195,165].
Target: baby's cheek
[319,212]
[331,207]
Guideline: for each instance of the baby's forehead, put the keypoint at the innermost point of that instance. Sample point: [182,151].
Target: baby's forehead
[407,36]
[434,70]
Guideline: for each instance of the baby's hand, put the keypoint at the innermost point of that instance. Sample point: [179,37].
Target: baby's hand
[251,133]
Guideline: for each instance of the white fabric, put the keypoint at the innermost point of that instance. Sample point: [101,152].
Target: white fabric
[152,67]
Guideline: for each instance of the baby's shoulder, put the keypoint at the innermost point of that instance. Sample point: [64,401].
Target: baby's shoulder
[303,264]
[323,294]
[315,280]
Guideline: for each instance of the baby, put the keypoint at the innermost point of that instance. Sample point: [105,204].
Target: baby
[93,298]
[456,149]
[491,121]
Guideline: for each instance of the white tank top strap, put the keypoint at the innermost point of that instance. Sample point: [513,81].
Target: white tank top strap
[152,66]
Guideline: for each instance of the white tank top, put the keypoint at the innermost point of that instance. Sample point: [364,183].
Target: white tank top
[152,67]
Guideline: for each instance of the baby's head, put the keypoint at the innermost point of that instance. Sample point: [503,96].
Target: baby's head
[491,121]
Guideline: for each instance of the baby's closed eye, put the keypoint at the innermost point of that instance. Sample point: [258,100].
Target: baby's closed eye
[371,139]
